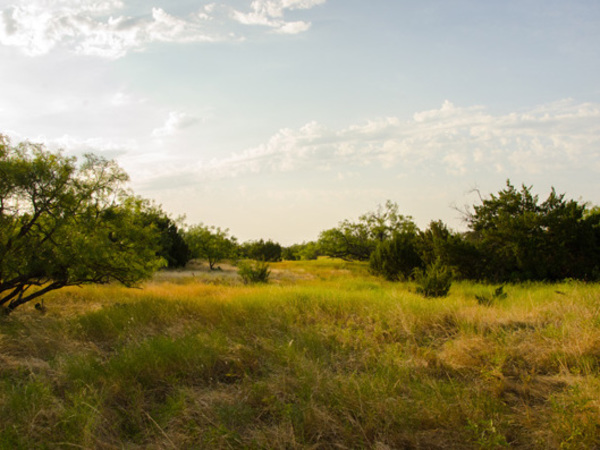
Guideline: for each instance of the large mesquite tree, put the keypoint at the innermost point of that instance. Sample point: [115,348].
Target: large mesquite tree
[64,224]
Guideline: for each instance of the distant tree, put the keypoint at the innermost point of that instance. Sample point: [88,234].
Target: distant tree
[523,239]
[290,253]
[357,240]
[63,224]
[173,247]
[456,251]
[347,241]
[305,251]
[210,243]
[397,257]
[262,250]
[387,221]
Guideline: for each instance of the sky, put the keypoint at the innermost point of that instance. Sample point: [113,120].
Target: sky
[278,119]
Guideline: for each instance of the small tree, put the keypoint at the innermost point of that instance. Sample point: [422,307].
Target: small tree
[357,240]
[63,224]
[435,281]
[210,243]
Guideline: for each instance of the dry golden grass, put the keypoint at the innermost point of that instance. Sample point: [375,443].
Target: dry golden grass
[325,357]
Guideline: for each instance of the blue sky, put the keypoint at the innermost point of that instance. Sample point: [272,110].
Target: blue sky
[280,118]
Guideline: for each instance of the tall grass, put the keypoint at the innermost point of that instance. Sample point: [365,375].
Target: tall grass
[325,356]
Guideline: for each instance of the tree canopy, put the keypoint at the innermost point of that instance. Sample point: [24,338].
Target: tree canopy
[513,236]
[358,240]
[261,250]
[210,243]
[521,238]
[173,247]
[64,224]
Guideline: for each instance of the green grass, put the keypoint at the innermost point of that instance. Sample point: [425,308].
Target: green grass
[324,356]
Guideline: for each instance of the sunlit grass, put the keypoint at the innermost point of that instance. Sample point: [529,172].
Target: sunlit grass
[324,356]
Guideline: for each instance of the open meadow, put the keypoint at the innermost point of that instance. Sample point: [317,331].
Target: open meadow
[324,356]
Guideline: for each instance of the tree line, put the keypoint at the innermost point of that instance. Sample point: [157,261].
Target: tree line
[65,222]
[512,236]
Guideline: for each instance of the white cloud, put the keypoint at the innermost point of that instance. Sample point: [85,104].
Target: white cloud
[270,13]
[38,26]
[292,27]
[457,140]
[98,28]
[76,146]
[176,121]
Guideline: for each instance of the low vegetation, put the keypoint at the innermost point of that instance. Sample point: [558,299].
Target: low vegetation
[324,356]
[254,271]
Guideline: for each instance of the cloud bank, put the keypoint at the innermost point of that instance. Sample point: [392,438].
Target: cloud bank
[98,27]
[451,139]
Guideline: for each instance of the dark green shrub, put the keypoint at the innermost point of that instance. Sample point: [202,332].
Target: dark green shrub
[435,281]
[255,272]
[396,258]
[261,250]
[521,238]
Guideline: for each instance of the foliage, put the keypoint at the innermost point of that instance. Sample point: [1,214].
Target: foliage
[63,224]
[435,281]
[254,272]
[173,247]
[520,238]
[396,258]
[301,252]
[261,250]
[456,250]
[210,243]
[357,240]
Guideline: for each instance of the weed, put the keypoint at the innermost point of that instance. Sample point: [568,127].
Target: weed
[254,272]
[490,299]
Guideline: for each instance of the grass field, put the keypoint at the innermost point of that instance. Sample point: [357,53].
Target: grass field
[324,356]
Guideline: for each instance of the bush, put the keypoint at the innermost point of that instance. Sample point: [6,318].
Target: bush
[261,250]
[396,258]
[256,272]
[435,281]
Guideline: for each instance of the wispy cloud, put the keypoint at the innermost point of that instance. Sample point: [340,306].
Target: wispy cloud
[455,140]
[176,121]
[270,13]
[97,27]
[449,141]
